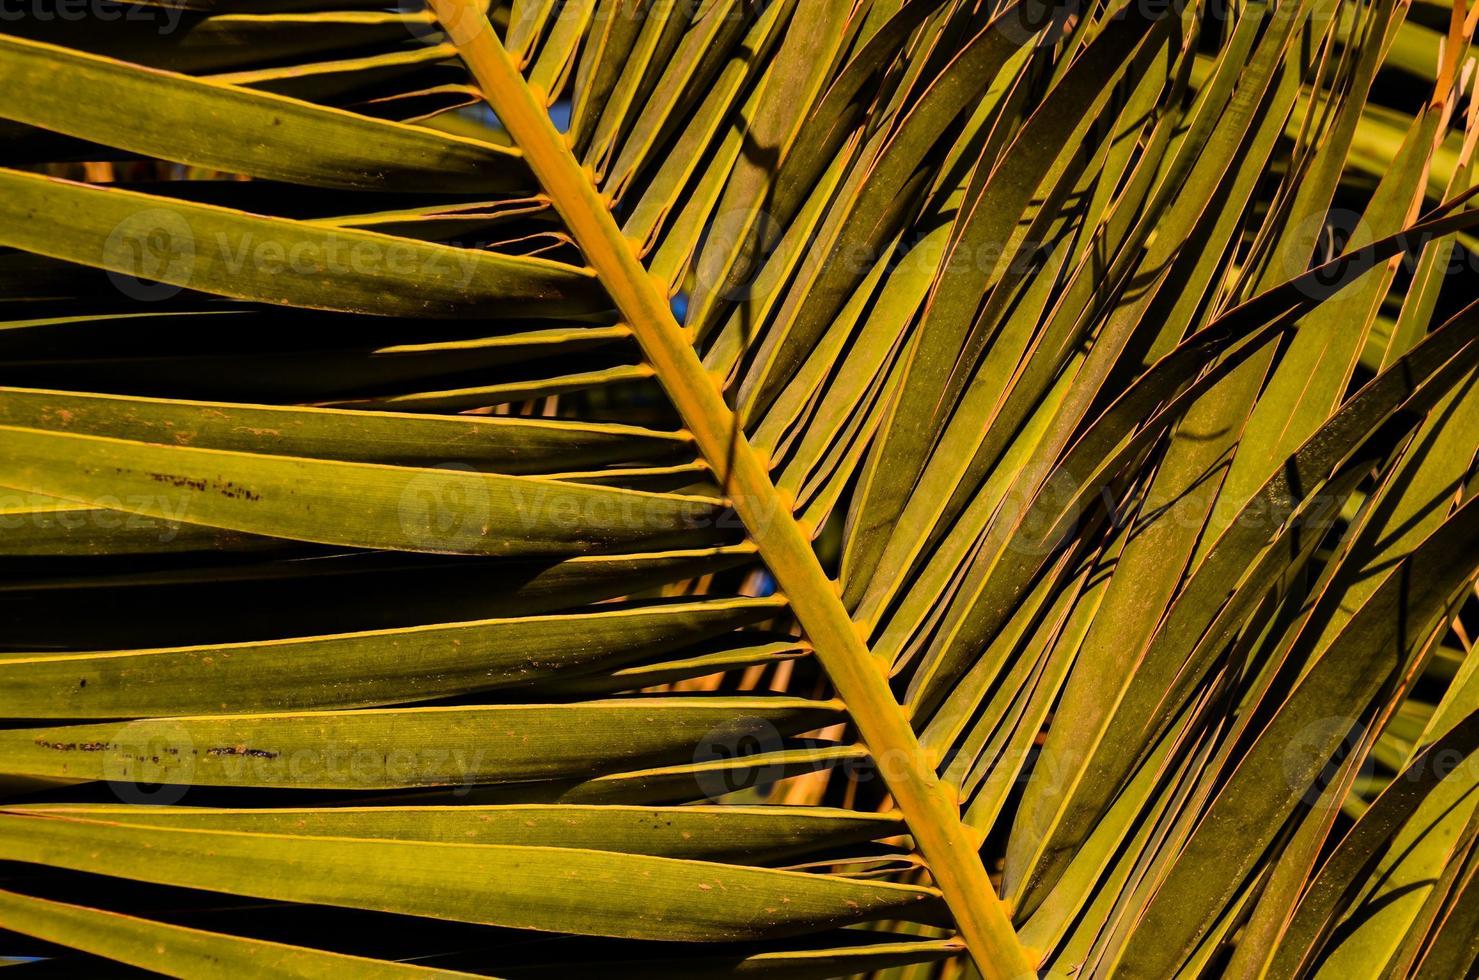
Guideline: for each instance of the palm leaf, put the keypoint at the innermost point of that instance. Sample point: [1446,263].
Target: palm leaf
[486,488]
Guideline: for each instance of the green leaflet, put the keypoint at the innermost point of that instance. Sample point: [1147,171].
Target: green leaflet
[337,80]
[687,74]
[178,951]
[981,253]
[357,669]
[35,525]
[1268,783]
[214,125]
[1173,511]
[756,834]
[462,399]
[401,747]
[828,124]
[1022,537]
[797,73]
[566,889]
[554,61]
[874,208]
[1196,166]
[1105,737]
[527,19]
[801,398]
[1314,371]
[613,31]
[841,953]
[449,510]
[501,668]
[940,576]
[792,254]
[1000,398]
[1395,901]
[1440,939]
[671,671]
[1051,495]
[147,241]
[724,771]
[503,445]
[226,40]
[1124,826]
[1000,754]
[1331,886]
[673,171]
[663,28]
[295,597]
[168,365]
[1414,502]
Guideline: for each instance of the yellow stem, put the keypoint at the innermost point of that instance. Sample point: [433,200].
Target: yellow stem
[929,807]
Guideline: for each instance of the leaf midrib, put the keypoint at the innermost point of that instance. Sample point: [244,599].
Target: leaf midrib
[930,808]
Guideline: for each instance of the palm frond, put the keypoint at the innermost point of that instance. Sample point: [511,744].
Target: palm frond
[706,488]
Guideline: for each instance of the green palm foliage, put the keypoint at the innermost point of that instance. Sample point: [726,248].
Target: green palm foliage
[796,488]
